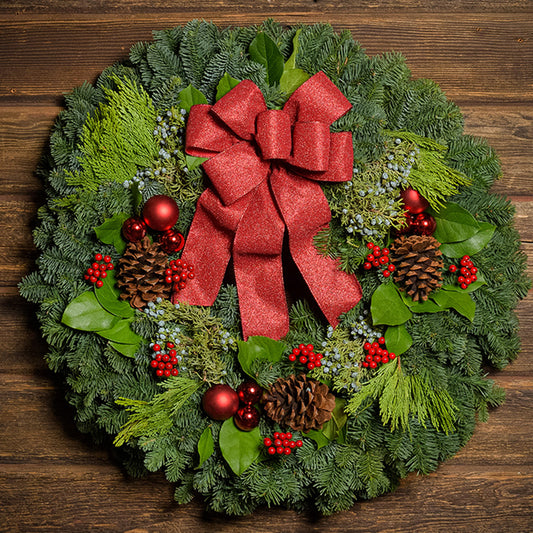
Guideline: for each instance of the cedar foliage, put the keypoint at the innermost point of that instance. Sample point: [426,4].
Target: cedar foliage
[389,437]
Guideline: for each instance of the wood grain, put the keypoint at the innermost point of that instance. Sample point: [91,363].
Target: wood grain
[54,479]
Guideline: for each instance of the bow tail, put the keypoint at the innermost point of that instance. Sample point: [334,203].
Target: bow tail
[305,211]
[208,247]
[258,268]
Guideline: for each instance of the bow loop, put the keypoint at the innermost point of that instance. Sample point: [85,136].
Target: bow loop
[273,134]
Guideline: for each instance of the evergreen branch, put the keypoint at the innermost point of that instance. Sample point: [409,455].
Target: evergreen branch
[153,418]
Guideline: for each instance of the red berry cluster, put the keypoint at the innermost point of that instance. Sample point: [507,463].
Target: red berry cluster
[178,273]
[281,444]
[377,354]
[466,272]
[377,258]
[98,270]
[305,355]
[164,363]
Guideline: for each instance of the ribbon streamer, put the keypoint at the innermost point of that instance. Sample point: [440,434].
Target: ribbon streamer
[264,166]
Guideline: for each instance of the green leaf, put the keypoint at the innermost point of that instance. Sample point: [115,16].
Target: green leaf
[420,307]
[470,288]
[128,350]
[332,428]
[193,162]
[470,246]
[206,445]
[108,298]
[265,51]
[239,448]
[387,307]
[191,96]
[86,313]
[398,339]
[292,79]
[291,62]
[460,301]
[121,332]
[454,223]
[259,348]
[225,85]
[319,437]
[110,232]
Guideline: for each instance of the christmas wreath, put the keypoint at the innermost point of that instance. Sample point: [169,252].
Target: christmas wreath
[271,266]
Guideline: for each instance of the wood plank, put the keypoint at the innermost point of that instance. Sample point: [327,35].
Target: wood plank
[471,55]
[25,131]
[268,8]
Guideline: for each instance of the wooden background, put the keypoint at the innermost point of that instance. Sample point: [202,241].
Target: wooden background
[51,477]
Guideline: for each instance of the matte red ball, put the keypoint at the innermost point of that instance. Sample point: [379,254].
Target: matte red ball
[246,418]
[161,212]
[413,201]
[134,229]
[249,392]
[423,224]
[171,241]
[220,402]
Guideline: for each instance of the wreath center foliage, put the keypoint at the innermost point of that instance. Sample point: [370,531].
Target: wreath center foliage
[120,142]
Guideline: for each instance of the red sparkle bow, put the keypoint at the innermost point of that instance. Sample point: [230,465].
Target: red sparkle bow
[263,165]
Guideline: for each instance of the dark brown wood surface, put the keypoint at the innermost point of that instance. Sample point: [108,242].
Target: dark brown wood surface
[54,479]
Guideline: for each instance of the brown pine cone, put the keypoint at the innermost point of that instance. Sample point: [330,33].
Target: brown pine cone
[141,273]
[418,265]
[299,402]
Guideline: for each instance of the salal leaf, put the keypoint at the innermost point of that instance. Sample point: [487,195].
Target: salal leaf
[265,51]
[259,348]
[206,446]
[397,339]
[239,448]
[108,297]
[387,306]
[470,246]
[110,232]
[225,85]
[86,313]
[460,301]
[420,306]
[194,162]
[191,96]
[454,224]
[332,429]
[128,350]
[121,332]
[319,437]
[292,77]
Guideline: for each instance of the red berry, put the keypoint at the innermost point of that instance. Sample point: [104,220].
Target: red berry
[305,352]
[299,443]
[267,442]
[370,245]
[367,346]
[181,284]
[384,359]
[452,268]
[464,271]
[276,435]
[460,279]
[285,443]
[375,263]
[90,271]
[158,357]
[292,357]
[381,340]
[466,257]
[154,363]
[310,347]
[170,345]
[301,346]
[377,358]
[272,451]
[86,276]
[292,444]
[392,268]
[373,364]
[386,273]
[156,348]
[318,363]
[159,372]
[376,248]
[103,274]
[473,270]
[310,366]
[288,435]
[377,253]
[287,451]
[98,257]
[174,371]
[303,359]
[392,355]
[277,442]
[464,286]
[99,283]
[473,278]
[383,259]
[370,258]
[92,279]
[107,258]
[280,450]
[110,266]
[365,364]
[385,251]
[161,365]
[367,266]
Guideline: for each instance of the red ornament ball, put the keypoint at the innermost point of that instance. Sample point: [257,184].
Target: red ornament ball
[249,392]
[246,418]
[220,402]
[134,229]
[413,201]
[423,224]
[161,212]
[171,241]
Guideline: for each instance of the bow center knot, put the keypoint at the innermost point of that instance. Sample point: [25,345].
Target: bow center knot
[273,134]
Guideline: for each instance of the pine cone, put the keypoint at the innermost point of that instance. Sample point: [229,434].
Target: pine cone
[141,273]
[418,265]
[299,402]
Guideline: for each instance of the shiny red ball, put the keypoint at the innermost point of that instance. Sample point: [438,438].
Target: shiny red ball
[246,418]
[171,241]
[413,201]
[249,392]
[220,402]
[161,212]
[423,224]
[134,229]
